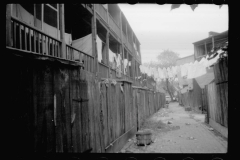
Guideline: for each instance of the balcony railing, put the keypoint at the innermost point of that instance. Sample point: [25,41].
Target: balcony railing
[77,55]
[28,38]
[31,39]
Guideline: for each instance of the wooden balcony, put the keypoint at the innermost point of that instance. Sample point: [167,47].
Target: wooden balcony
[114,27]
[102,12]
[30,39]
[77,55]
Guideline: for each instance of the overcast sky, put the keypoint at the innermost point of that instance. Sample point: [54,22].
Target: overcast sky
[157,27]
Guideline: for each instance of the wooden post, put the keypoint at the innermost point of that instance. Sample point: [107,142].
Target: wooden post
[8,25]
[122,46]
[107,43]
[205,48]
[213,42]
[62,31]
[94,32]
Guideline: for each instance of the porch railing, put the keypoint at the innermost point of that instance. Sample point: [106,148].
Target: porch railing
[28,38]
[31,39]
[77,55]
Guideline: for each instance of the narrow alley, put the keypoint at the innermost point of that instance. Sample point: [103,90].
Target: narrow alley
[175,130]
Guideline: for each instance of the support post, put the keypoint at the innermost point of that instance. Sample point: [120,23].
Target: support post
[205,48]
[62,31]
[94,48]
[107,56]
[122,46]
[213,42]
[8,25]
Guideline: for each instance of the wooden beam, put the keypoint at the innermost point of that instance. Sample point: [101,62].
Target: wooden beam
[205,48]
[107,43]
[212,42]
[94,48]
[42,18]
[8,25]
[122,46]
[62,31]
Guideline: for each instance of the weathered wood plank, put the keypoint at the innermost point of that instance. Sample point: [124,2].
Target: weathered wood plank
[75,112]
[58,111]
[65,83]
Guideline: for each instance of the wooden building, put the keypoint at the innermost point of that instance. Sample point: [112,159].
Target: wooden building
[203,47]
[215,94]
[75,78]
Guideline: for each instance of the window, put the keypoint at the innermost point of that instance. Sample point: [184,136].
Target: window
[50,16]
[137,69]
[125,62]
[32,15]
[25,13]
[114,53]
[200,50]
[130,65]
[101,49]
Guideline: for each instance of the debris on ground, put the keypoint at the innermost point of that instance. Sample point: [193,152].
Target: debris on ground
[191,138]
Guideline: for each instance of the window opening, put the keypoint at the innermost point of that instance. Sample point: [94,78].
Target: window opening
[114,53]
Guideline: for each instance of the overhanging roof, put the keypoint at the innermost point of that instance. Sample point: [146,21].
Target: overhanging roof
[210,38]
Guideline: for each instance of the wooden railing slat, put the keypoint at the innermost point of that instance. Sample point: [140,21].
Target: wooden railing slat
[46,45]
[15,35]
[53,47]
[30,42]
[25,36]
[43,43]
[56,48]
[35,41]
[20,37]
[39,43]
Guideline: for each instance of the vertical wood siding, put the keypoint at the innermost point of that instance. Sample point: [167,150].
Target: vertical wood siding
[62,108]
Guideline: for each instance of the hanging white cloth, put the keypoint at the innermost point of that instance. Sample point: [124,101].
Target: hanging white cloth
[192,69]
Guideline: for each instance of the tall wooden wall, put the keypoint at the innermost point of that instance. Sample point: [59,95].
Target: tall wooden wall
[58,107]
[218,94]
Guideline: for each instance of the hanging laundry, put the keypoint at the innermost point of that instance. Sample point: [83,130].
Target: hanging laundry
[192,69]
[201,70]
[213,61]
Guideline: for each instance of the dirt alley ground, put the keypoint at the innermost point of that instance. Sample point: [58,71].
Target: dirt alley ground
[186,133]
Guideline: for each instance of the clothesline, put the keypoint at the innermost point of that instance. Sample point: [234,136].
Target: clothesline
[185,73]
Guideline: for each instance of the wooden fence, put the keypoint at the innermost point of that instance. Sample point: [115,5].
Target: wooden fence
[192,98]
[218,94]
[146,103]
[62,108]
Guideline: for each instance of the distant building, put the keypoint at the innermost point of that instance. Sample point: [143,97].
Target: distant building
[184,60]
[203,47]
